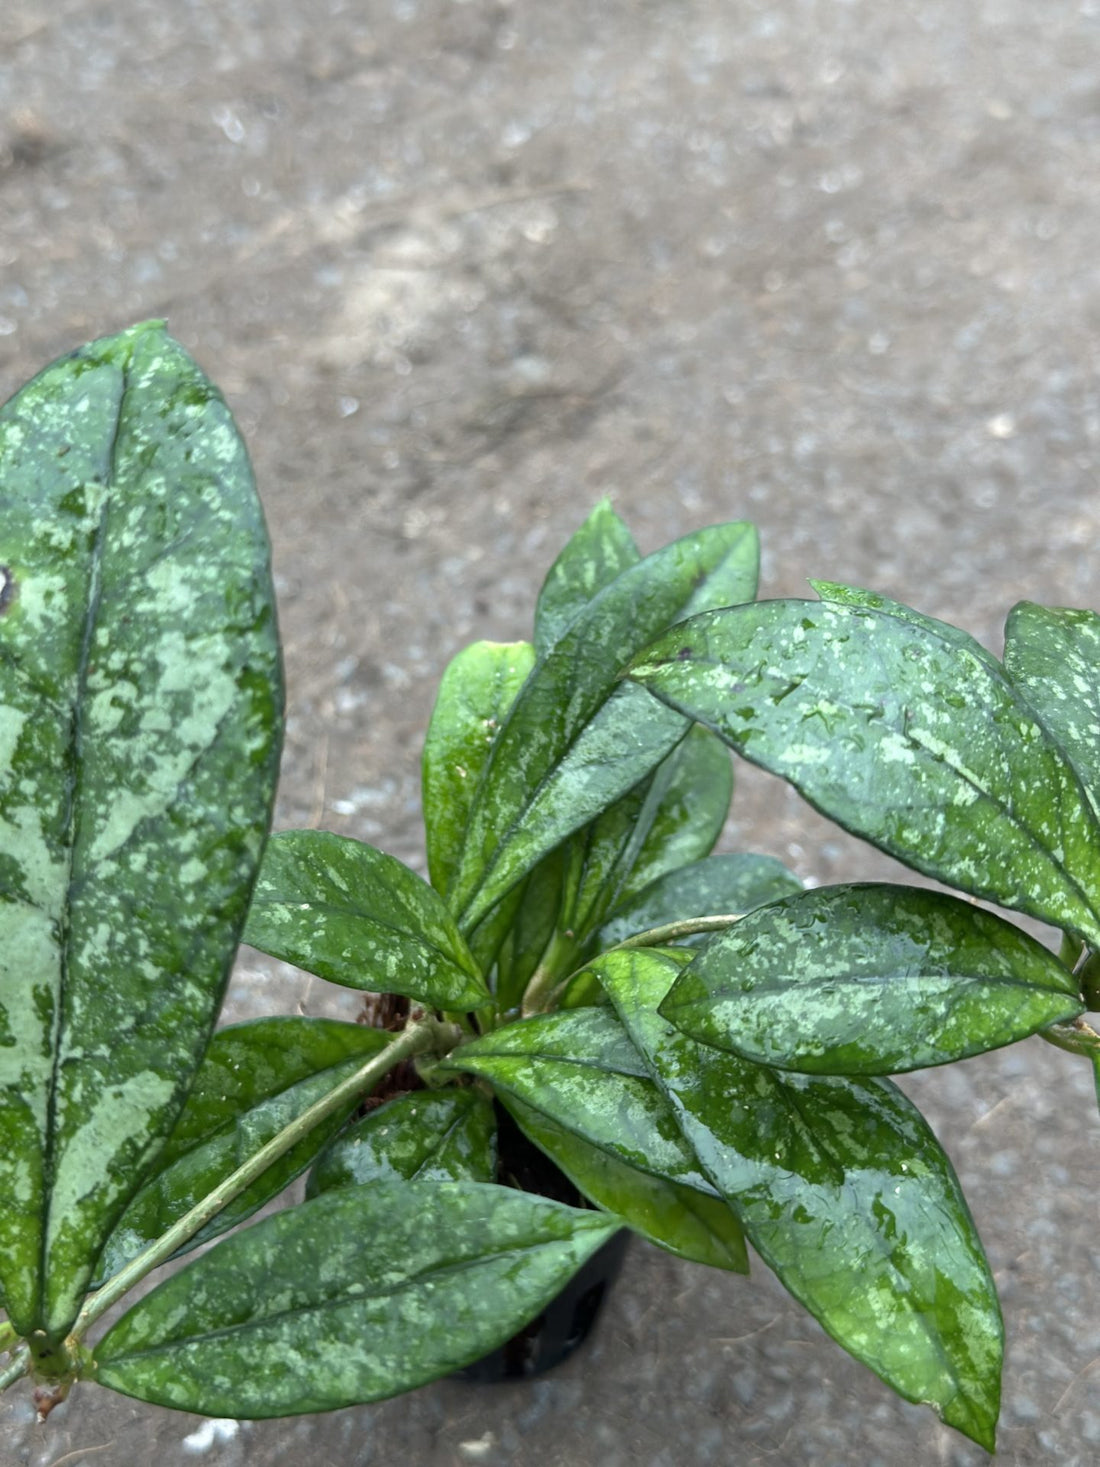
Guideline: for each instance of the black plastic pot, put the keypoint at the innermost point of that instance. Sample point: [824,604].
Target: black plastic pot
[562,1327]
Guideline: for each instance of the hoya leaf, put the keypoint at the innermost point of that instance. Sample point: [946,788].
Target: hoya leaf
[600,550]
[668,819]
[195,1170]
[355,1295]
[477,689]
[140,719]
[844,1191]
[678,1218]
[347,912]
[250,1062]
[580,1070]
[1052,654]
[532,929]
[623,743]
[869,980]
[427,1136]
[692,810]
[903,735]
[567,689]
[714,886]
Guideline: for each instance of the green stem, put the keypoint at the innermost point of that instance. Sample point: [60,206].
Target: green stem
[1077,1038]
[654,937]
[546,977]
[677,931]
[417,1038]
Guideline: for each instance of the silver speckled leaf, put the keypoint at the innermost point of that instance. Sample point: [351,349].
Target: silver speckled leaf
[1052,653]
[359,1294]
[902,732]
[140,716]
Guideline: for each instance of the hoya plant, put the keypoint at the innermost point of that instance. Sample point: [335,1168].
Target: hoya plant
[700,1047]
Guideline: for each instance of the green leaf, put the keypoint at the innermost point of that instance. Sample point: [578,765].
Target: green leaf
[600,550]
[532,929]
[354,915]
[846,1194]
[252,1061]
[714,886]
[221,1127]
[903,735]
[692,811]
[475,694]
[869,980]
[361,1293]
[1052,654]
[581,1071]
[140,718]
[513,819]
[427,1136]
[622,744]
[678,1218]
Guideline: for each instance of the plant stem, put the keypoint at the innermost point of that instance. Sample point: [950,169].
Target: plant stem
[675,931]
[417,1038]
[1077,1038]
[655,937]
[548,974]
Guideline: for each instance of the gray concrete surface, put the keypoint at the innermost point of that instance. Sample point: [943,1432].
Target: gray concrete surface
[461,269]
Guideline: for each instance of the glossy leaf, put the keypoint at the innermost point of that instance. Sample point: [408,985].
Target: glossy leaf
[678,1218]
[581,1071]
[1052,654]
[692,811]
[869,980]
[194,1170]
[512,818]
[477,690]
[714,886]
[361,1293]
[250,1062]
[846,1194]
[600,550]
[140,708]
[901,734]
[618,748]
[354,915]
[532,929]
[427,1136]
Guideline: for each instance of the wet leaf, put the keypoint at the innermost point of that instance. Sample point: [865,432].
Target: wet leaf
[475,694]
[869,980]
[581,1071]
[532,929]
[220,1129]
[523,806]
[714,886]
[347,912]
[600,550]
[902,734]
[361,1293]
[844,1191]
[678,1218]
[427,1136]
[691,813]
[140,716]
[1052,654]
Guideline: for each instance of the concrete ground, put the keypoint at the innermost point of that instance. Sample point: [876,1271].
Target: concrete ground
[462,269]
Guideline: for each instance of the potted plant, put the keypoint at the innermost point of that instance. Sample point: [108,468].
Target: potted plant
[700,1047]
